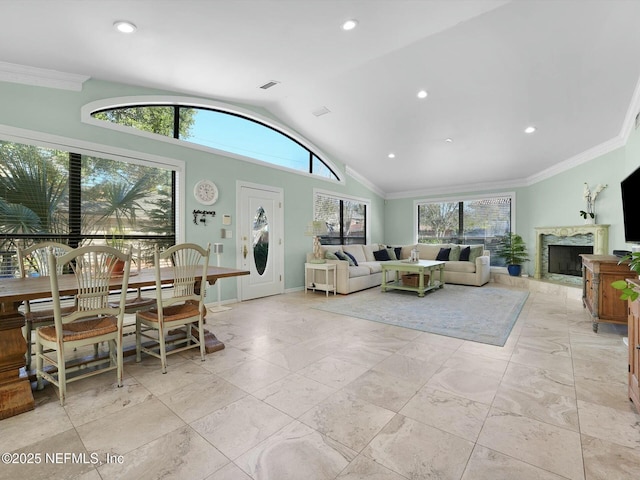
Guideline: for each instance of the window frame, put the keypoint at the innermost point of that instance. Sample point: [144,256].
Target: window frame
[88,109]
[84,148]
[464,198]
[341,197]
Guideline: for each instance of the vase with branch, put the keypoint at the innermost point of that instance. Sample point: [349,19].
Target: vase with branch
[589,214]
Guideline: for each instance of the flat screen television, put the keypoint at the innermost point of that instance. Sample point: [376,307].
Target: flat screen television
[630,188]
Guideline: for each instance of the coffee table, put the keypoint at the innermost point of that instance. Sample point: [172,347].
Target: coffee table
[420,267]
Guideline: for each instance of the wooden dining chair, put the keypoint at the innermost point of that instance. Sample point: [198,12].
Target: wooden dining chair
[139,302]
[182,308]
[93,321]
[33,261]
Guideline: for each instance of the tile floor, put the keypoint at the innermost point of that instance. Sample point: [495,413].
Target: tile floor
[303,394]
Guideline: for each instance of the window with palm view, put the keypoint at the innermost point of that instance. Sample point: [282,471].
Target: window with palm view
[48,194]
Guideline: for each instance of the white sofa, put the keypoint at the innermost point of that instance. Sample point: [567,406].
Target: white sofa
[368,272]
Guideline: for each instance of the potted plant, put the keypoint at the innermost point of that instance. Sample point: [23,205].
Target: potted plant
[627,289]
[117,240]
[589,214]
[512,248]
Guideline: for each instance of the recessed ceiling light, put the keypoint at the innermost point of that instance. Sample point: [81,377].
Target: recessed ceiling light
[125,27]
[392,155]
[448,140]
[530,129]
[349,24]
[422,94]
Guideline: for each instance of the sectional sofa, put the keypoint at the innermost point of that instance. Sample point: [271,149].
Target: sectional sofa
[359,266]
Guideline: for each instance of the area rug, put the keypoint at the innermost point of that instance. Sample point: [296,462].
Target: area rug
[480,314]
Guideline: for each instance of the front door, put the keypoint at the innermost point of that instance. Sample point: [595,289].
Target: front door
[260,241]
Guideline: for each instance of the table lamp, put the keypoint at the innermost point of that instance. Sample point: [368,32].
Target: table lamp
[315,229]
[218,249]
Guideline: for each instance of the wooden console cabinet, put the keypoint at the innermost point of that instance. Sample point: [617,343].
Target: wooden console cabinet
[634,349]
[602,300]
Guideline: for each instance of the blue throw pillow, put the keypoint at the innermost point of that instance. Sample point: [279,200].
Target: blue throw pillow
[353,259]
[342,256]
[464,254]
[381,255]
[443,255]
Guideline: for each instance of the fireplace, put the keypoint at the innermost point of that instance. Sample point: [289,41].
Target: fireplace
[594,236]
[566,260]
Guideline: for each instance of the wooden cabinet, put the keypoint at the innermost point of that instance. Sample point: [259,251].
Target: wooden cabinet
[634,349]
[602,300]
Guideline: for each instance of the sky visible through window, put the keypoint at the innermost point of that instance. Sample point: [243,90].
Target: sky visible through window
[247,138]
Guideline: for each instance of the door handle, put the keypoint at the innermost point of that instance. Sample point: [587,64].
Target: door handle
[245,251]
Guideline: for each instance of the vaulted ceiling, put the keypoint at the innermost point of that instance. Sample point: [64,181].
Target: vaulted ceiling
[491,68]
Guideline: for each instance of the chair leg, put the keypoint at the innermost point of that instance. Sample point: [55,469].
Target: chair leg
[39,363]
[119,356]
[138,340]
[112,353]
[28,337]
[163,349]
[201,339]
[62,375]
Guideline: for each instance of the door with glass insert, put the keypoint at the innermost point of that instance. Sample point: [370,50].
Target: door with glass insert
[260,243]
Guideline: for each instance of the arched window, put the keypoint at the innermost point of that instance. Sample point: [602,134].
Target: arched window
[216,126]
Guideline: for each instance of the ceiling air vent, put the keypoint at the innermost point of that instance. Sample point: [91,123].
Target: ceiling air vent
[321,111]
[268,85]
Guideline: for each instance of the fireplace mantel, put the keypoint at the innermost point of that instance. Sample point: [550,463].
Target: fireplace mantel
[600,239]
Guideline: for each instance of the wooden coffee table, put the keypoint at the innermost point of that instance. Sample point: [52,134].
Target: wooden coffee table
[420,267]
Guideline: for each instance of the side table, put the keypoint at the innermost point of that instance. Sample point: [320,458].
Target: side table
[310,277]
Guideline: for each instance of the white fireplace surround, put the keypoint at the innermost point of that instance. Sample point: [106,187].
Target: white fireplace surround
[600,239]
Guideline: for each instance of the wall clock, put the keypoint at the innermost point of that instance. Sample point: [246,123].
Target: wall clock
[206,192]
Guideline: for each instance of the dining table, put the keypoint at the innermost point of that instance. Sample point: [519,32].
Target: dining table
[15,386]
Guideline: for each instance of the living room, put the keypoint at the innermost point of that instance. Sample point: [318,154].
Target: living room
[37,109]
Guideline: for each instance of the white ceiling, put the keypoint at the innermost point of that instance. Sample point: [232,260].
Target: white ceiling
[491,69]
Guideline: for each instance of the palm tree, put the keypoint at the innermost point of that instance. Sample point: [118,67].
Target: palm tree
[32,191]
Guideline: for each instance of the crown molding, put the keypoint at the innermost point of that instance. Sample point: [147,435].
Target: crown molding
[458,189]
[630,119]
[41,77]
[364,181]
[584,157]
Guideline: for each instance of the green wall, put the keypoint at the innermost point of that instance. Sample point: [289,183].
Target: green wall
[57,112]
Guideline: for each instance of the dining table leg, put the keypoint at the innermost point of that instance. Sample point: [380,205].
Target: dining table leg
[15,390]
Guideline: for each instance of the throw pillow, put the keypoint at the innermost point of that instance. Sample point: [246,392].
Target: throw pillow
[342,256]
[398,252]
[454,256]
[353,262]
[476,251]
[464,254]
[381,255]
[392,254]
[330,255]
[443,255]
